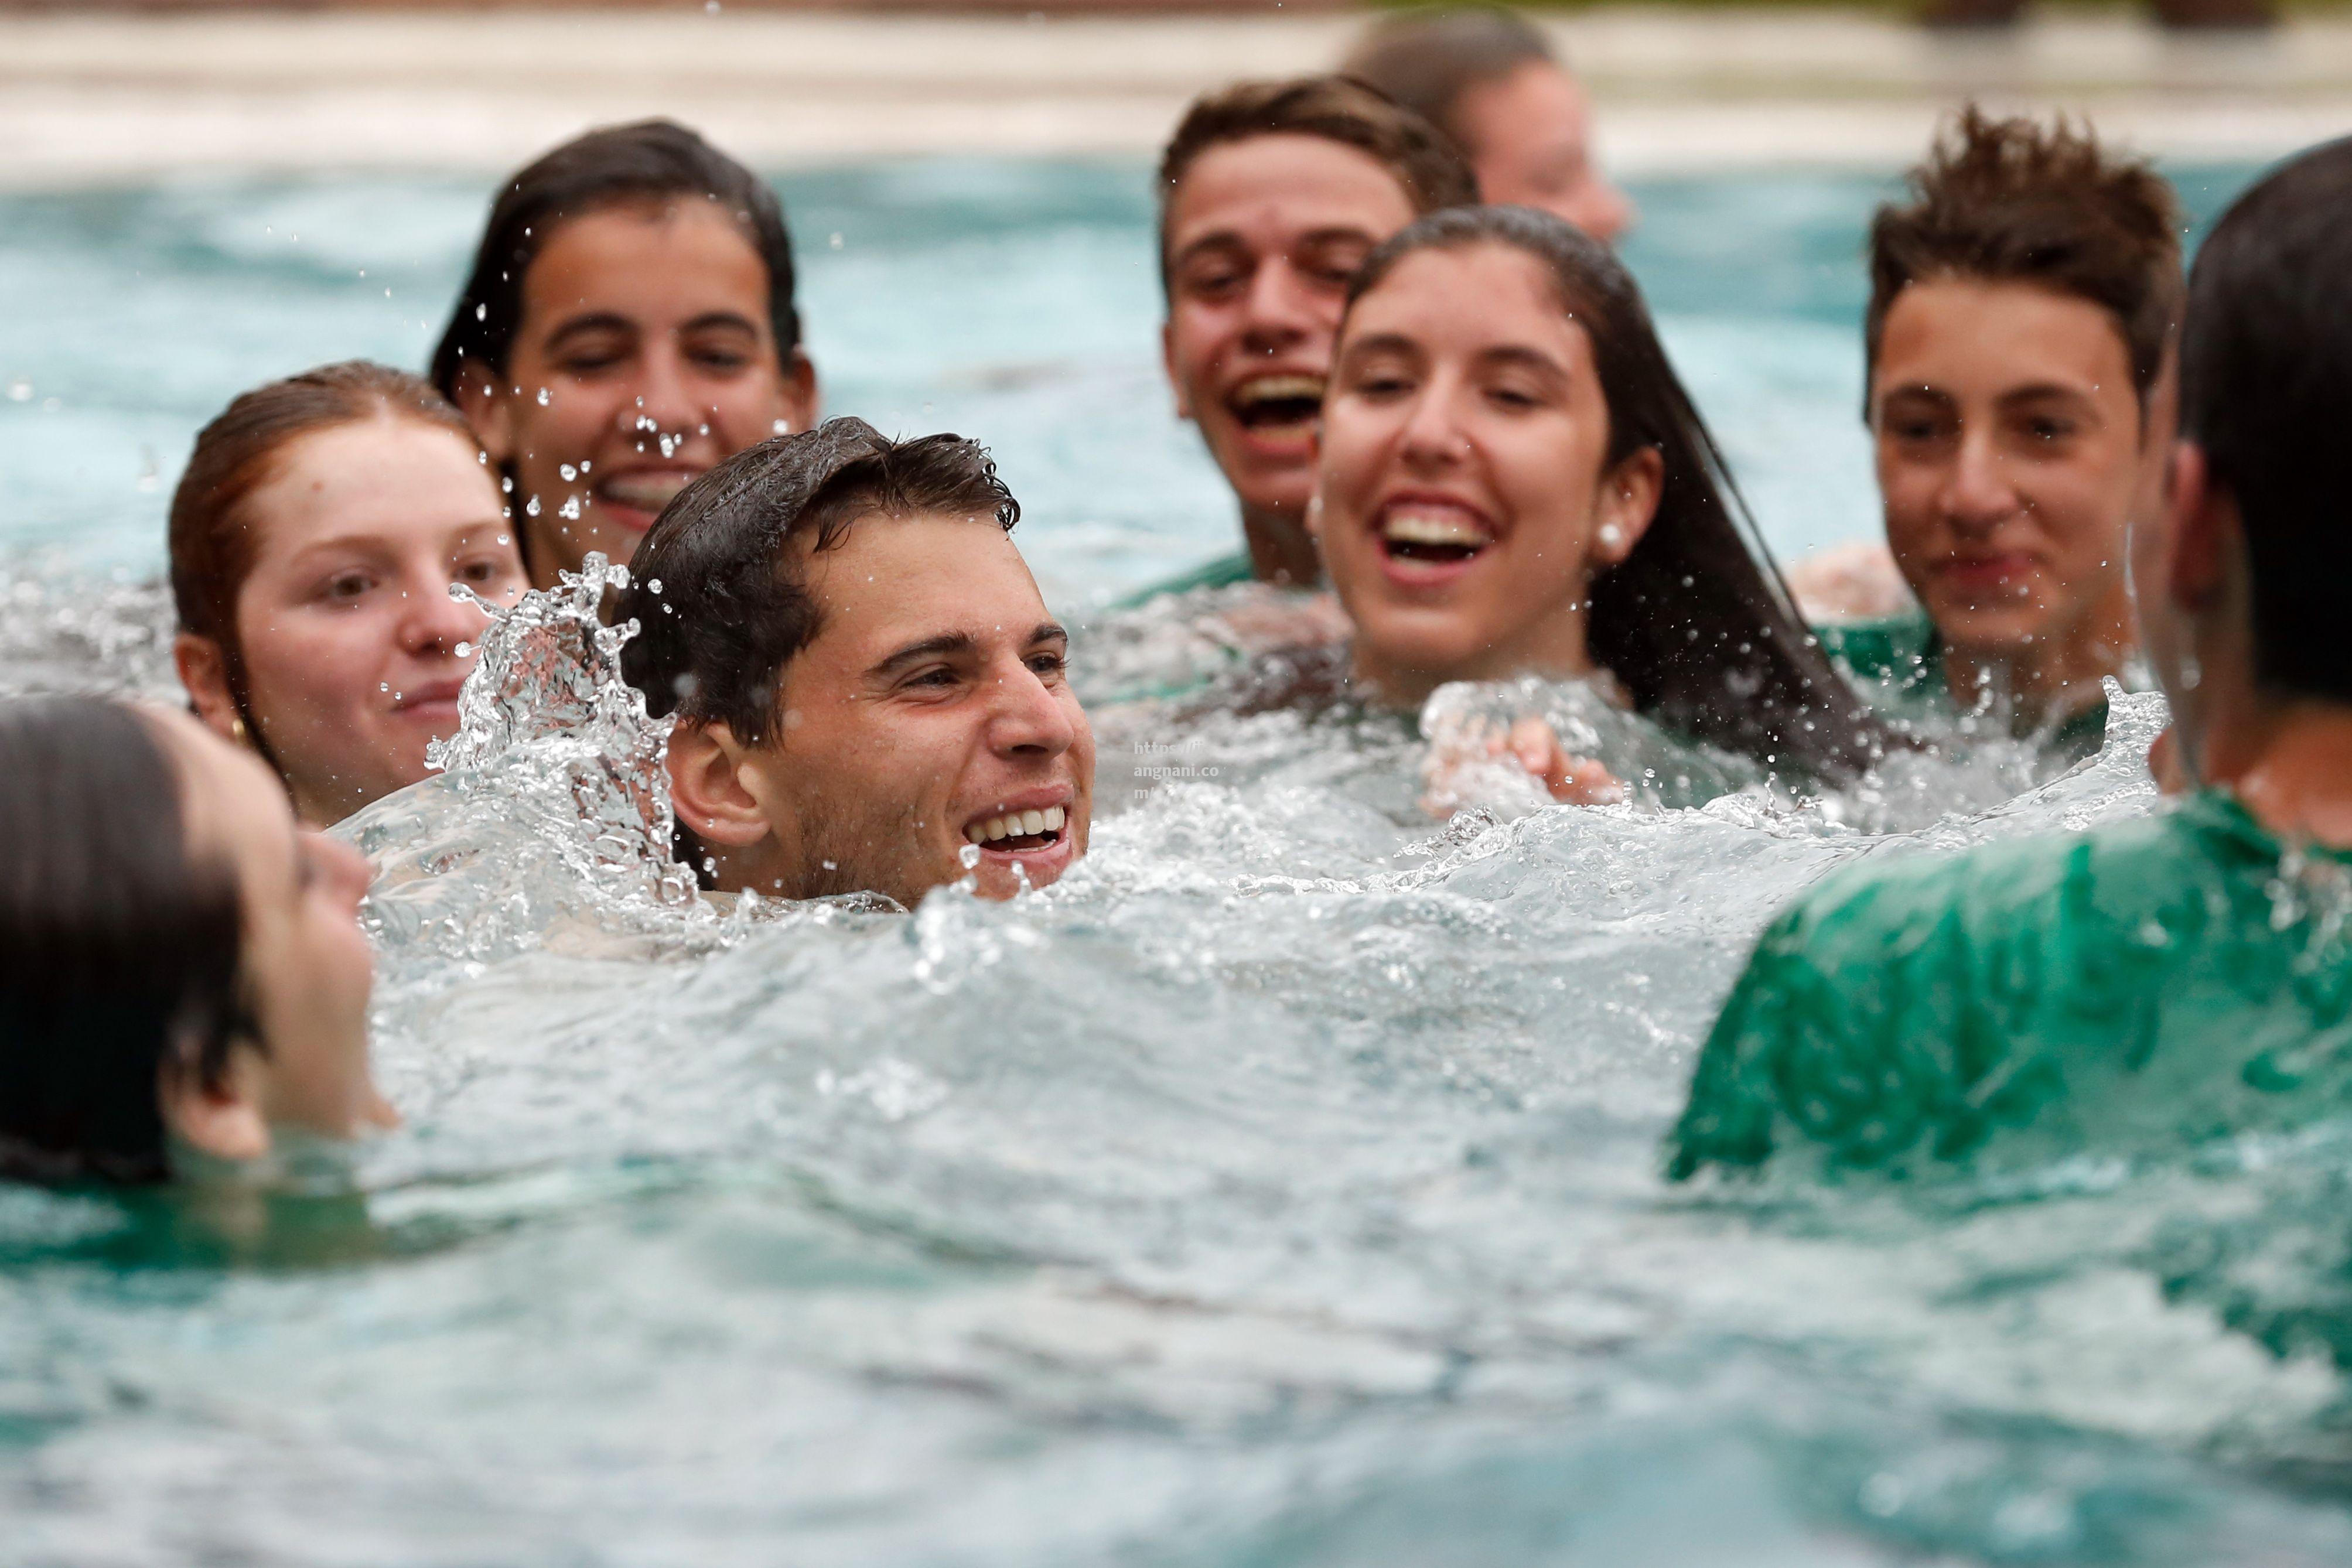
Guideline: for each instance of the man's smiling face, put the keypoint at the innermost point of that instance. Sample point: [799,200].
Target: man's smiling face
[931,712]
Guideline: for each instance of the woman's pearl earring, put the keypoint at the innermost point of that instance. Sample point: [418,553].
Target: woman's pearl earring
[1611,535]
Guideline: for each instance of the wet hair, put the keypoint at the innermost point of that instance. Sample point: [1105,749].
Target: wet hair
[2011,201]
[2266,393]
[119,949]
[733,605]
[1425,165]
[1695,623]
[213,539]
[653,161]
[719,590]
[1427,58]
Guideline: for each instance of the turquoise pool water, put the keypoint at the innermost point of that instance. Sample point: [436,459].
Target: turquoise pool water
[1279,1188]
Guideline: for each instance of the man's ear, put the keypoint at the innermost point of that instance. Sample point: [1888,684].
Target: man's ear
[203,671]
[800,402]
[489,413]
[2202,520]
[708,788]
[1168,363]
[1629,501]
[225,1120]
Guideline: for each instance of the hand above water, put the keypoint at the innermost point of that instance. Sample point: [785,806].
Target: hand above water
[1475,762]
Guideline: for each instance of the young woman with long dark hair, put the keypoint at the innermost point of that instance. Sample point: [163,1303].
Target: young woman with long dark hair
[1512,481]
[180,964]
[629,323]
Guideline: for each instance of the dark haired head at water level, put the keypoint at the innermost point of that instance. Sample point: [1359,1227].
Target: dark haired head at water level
[1513,481]
[1271,194]
[178,963]
[868,685]
[2164,982]
[314,539]
[628,322]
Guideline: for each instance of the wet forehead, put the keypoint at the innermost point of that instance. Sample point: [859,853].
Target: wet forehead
[1970,335]
[387,477]
[1270,189]
[651,264]
[1484,300]
[896,581]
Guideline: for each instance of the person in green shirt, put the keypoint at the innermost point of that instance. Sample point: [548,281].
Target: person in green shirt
[2023,300]
[2165,981]
[1271,194]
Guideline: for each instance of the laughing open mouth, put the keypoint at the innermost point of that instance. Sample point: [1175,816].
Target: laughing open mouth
[1436,536]
[1278,404]
[1017,831]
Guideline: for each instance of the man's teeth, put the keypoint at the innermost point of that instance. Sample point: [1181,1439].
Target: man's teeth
[645,492]
[1431,529]
[1017,825]
[1274,389]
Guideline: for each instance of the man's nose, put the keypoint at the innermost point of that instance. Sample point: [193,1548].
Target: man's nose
[1279,309]
[1976,491]
[1030,716]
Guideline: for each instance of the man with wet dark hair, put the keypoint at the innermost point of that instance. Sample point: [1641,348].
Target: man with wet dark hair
[870,696]
[1489,80]
[1271,194]
[2172,979]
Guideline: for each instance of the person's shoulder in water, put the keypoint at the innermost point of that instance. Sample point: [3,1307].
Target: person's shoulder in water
[2154,985]
[1907,1012]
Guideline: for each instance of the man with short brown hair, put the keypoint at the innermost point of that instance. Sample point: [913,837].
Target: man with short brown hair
[1271,194]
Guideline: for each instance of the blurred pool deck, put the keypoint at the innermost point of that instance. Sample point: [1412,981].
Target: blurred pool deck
[110,98]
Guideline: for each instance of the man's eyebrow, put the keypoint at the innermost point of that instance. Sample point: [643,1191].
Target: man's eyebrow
[594,321]
[2040,389]
[1217,239]
[1337,234]
[734,319]
[1049,631]
[945,644]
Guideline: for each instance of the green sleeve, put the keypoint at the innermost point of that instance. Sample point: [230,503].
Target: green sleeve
[1222,572]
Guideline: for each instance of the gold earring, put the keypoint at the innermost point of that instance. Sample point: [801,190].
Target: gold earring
[237,730]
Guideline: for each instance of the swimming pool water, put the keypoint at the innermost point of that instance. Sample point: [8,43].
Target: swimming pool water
[1281,1187]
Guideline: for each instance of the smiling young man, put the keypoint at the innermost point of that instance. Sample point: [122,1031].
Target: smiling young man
[1271,196]
[865,682]
[2169,980]
[2023,305]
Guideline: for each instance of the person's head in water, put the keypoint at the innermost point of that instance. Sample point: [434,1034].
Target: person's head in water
[314,539]
[2242,575]
[1271,194]
[867,683]
[2023,307]
[179,962]
[628,322]
[1513,481]
[1490,81]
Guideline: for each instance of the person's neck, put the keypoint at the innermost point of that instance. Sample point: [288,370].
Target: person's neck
[2049,681]
[1396,683]
[1281,551]
[2288,760]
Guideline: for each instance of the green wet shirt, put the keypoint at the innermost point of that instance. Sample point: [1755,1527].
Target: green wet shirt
[2160,982]
[1896,663]
[1222,572]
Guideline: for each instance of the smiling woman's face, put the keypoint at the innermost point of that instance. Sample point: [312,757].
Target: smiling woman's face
[645,355]
[351,641]
[1467,501]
